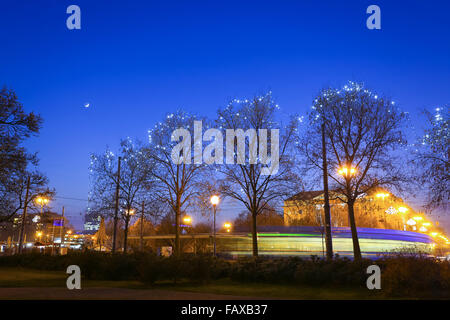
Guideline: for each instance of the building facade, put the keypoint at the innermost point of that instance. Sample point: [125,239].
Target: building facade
[92,222]
[378,209]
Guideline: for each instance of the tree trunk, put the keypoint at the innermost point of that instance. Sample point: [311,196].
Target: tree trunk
[125,235]
[177,249]
[254,235]
[116,209]
[141,234]
[326,206]
[351,218]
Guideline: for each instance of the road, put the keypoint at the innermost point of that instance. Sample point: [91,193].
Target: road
[100,293]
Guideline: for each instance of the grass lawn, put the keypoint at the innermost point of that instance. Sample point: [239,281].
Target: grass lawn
[275,291]
[17,277]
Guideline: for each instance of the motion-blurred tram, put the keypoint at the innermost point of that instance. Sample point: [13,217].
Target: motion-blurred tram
[307,241]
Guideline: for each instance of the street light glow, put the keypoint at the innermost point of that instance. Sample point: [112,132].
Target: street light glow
[187,219]
[344,171]
[42,200]
[402,209]
[215,200]
[382,195]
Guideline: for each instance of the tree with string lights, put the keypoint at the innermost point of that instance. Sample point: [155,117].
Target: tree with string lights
[363,131]
[432,158]
[177,172]
[248,178]
[135,183]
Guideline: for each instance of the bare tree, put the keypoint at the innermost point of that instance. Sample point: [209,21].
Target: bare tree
[177,180]
[432,158]
[363,132]
[16,164]
[13,199]
[136,183]
[257,184]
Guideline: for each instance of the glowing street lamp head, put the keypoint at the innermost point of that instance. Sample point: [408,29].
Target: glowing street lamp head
[187,219]
[402,209]
[42,200]
[418,218]
[382,195]
[345,171]
[215,200]
[227,225]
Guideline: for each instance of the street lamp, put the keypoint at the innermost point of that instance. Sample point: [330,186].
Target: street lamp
[382,196]
[187,220]
[42,201]
[412,223]
[215,201]
[403,210]
[227,226]
[347,171]
[434,234]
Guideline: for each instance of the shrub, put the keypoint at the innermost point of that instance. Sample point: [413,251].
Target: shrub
[402,275]
[413,276]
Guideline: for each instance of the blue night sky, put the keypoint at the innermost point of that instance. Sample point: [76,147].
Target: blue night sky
[133,61]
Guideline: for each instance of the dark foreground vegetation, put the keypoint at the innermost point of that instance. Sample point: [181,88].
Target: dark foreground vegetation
[402,276]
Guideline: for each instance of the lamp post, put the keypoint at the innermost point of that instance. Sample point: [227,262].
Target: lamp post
[348,173]
[214,200]
[227,226]
[382,196]
[42,201]
[403,210]
[129,212]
